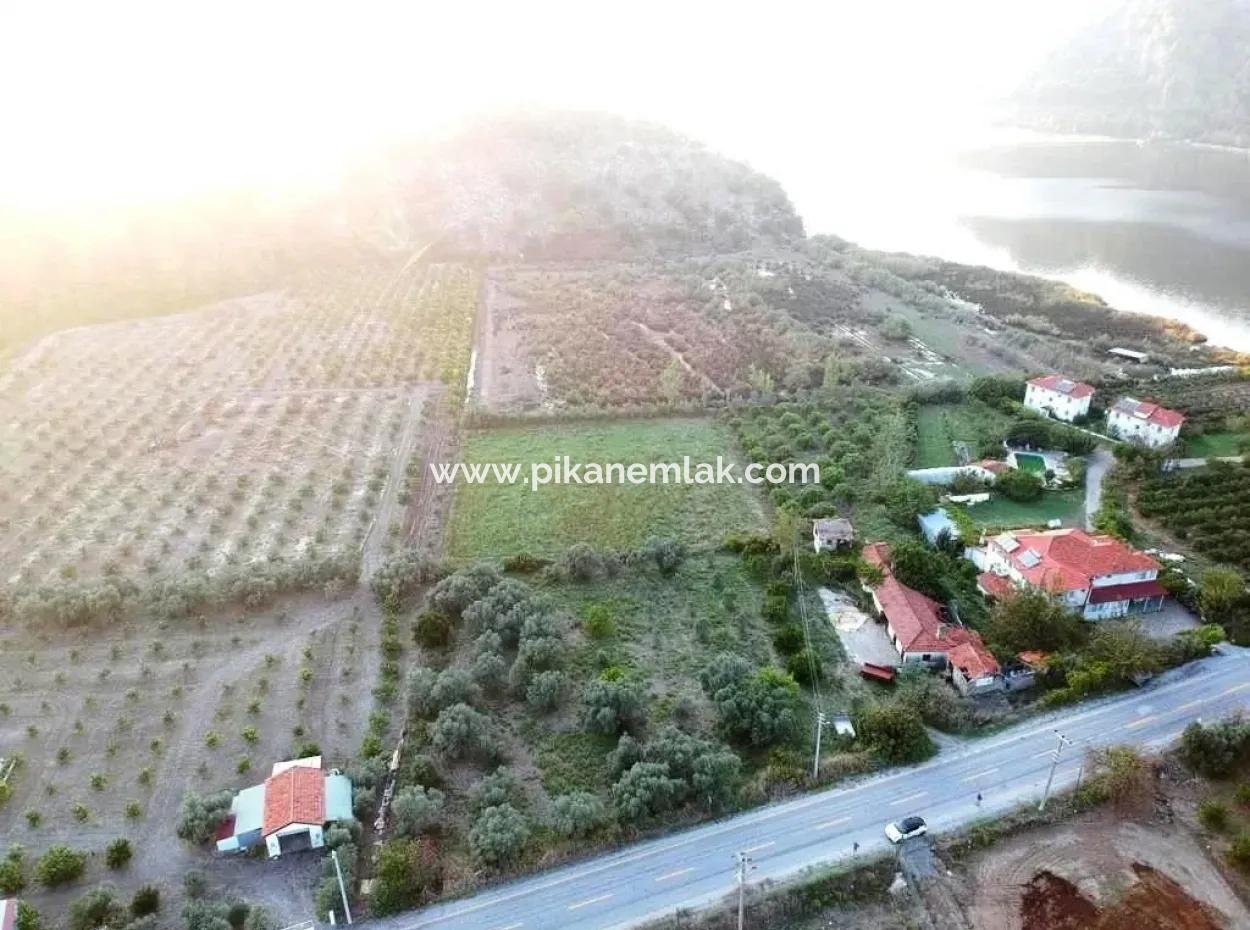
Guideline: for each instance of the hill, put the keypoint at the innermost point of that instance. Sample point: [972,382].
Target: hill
[573,185]
[1173,69]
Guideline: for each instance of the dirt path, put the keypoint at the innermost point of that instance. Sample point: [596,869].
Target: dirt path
[388,506]
[659,341]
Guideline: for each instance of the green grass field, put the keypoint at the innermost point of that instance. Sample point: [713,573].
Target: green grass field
[492,520]
[1215,444]
[998,511]
[938,425]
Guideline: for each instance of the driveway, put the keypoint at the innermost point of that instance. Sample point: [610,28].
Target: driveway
[1100,462]
[862,637]
[695,868]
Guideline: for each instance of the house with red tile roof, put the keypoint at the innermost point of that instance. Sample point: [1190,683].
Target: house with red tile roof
[1098,576]
[1143,422]
[923,632]
[1058,397]
[289,811]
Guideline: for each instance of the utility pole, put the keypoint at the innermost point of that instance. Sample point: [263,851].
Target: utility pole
[820,726]
[744,865]
[347,911]
[1054,764]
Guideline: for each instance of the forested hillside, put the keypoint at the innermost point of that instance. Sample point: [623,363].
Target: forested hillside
[1175,69]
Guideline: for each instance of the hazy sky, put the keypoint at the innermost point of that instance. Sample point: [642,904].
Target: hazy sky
[128,100]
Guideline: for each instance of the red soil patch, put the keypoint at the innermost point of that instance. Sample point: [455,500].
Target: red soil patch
[1154,902]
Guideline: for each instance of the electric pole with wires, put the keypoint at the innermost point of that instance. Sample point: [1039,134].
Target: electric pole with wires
[744,865]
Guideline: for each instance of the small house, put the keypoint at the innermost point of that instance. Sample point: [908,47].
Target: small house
[832,534]
[1145,423]
[290,811]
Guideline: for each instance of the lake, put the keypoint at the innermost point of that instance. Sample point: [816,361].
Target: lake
[1156,228]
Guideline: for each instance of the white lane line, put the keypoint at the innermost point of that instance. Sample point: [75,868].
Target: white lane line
[980,774]
[908,799]
[1141,722]
[831,823]
[1045,752]
[514,926]
[671,875]
[590,901]
[751,849]
[1235,688]
[1191,704]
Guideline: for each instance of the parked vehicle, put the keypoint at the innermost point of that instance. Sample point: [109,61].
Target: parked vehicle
[905,829]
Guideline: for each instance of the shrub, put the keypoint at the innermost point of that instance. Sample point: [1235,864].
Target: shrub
[500,787]
[118,853]
[407,870]
[610,706]
[60,865]
[806,667]
[432,629]
[195,884]
[893,732]
[98,908]
[1239,852]
[647,789]
[12,873]
[147,900]
[498,835]
[1214,750]
[1213,815]
[416,809]
[759,706]
[460,732]
[578,814]
[597,621]
[199,816]
[1019,485]
[544,691]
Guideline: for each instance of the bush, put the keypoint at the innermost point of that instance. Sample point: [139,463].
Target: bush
[524,564]
[195,884]
[98,908]
[893,732]
[461,732]
[416,809]
[759,706]
[544,691]
[500,787]
[498,835]
[1239,852]
[118,854]
[806,667]
[578,814]
[12,872]
[60,865]
[597,621]
[432,629]
[147,900]
[1213,815]
[1019,485]
[1215,750]
[199,816]
[646,790]
[610,706]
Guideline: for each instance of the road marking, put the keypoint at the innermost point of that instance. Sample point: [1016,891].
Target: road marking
[664,878]
[1236,688]
[511,926]
[831,823]
[980,774]
[1141,722]
[751,849]
[1191,704]
[1045,752]
[590,901]
[908,799]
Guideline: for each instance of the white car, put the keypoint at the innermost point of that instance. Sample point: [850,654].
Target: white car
[905,829]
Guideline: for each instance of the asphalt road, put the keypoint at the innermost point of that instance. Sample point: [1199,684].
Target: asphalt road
[696,867]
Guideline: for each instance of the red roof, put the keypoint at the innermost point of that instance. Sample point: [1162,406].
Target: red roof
[918,623]
[1034,658]
[997,466]
[1127,592]
[1144,410]
[1069,559]
[294,795]
[1058,383]
[995,586]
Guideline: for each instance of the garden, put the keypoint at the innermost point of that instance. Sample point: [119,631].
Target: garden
[1207,508]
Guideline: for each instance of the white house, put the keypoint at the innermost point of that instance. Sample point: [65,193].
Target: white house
[1096,576]
[289,811]
[830,534]
[1058,397]
[1144,422]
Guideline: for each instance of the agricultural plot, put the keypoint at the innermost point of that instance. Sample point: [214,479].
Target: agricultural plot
[1207,508]
[491,520]
[112,729]
[249,441]
[942,429]
[1217,445]
[1066,506]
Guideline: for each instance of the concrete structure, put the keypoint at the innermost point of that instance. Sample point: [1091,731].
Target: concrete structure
[921,630]
[832,534]
[1098,577]
[1131,355]
[933,525]
[1058,397]
[948,474]
[289,811]
[1143,422]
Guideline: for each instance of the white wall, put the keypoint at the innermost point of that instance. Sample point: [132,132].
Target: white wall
[1127,426]
[1054,404]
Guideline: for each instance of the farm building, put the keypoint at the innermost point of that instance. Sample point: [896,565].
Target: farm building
[921,630]
[832,534]
[1144,422]
[289,811]
[1058,397]
[1096,576]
